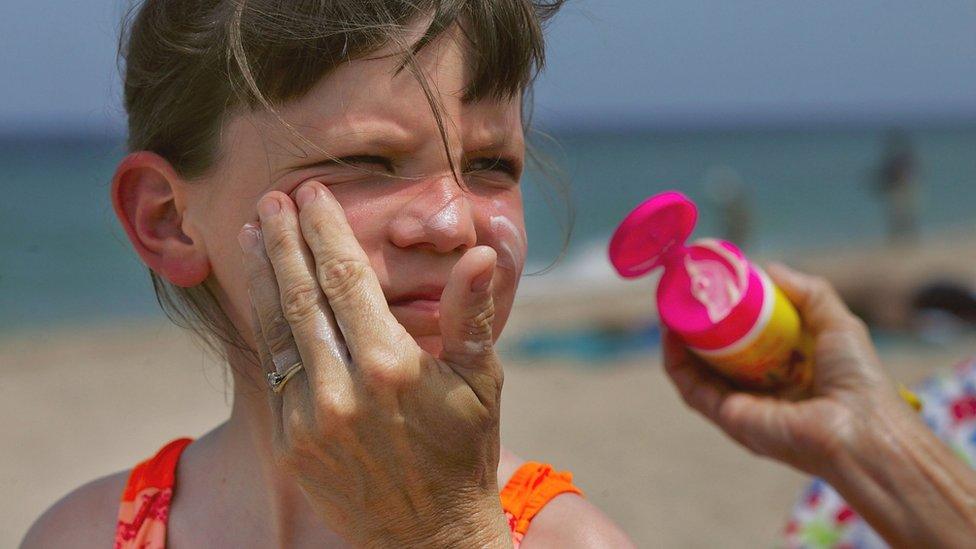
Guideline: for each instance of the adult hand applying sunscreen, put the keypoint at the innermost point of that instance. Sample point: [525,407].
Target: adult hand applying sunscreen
[853,429]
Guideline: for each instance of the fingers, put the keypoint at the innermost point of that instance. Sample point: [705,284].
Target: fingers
[699,388]
[467,309]
[467,322]
[267,365]
[301,302]
[276,347]
[818,303]
[746,418]
[350,285]
[263,289]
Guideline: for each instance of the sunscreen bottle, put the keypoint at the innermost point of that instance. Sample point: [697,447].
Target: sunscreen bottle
[723,307]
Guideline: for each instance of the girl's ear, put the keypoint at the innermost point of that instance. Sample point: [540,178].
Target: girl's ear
[146,199]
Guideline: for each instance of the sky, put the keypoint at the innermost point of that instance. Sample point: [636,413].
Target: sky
[612,63]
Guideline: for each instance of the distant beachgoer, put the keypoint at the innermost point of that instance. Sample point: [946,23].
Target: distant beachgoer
[855,432]
[732,203]
[895,181]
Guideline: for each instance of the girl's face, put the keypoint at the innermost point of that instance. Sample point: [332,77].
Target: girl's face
[413,227]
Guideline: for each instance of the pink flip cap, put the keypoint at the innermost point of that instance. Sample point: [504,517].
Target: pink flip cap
[653,231]
[651,236]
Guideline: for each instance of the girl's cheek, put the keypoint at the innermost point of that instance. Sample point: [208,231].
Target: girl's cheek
[362,213]
[509,240]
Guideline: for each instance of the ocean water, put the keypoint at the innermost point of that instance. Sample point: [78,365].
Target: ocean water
[66,260]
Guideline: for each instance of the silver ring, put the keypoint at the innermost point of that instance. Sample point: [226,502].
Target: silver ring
[277,381]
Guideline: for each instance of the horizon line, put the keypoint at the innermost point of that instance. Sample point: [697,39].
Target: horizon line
[738,121]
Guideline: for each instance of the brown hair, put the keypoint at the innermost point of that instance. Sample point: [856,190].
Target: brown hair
[189,64]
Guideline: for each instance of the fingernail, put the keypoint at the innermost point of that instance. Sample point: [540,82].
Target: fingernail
[305,195]
[481,282]
[249,237]
[268,206]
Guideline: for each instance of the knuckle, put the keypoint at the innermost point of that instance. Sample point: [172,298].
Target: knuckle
[399,337]
[480,324]
[389,365]
[294,424]
[857,326]
[728,416]
[821,286]
[299,301]
[297,436]
[342,277]
[377,359]
[733,420]
[821,294]
[384,373]
[335,416]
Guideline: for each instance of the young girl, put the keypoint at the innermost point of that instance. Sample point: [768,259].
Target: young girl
[327,191]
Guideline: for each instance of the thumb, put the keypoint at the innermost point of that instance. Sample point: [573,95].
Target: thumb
[467,323]
[467,308]
[844,354]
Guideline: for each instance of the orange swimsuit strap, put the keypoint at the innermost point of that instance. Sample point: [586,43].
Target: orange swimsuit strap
[144,509]
[532,486]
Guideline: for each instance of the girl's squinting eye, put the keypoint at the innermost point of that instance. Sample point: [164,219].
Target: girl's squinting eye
[500,164]
[369,160]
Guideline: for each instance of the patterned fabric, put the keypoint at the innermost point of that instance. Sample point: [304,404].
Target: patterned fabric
[822,519]
[144,509]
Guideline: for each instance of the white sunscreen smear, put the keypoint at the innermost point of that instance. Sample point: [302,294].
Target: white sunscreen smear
[475,347]
[510,240]
[714,285]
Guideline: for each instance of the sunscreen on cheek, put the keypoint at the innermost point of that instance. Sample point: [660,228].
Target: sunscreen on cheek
[725,308]
[512,242]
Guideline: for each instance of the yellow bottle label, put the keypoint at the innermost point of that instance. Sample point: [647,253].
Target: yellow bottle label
[775,353]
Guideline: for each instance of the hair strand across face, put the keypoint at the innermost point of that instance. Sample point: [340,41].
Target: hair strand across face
[190,64]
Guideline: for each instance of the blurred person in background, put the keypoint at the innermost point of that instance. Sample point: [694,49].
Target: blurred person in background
[730,198]
[895,182]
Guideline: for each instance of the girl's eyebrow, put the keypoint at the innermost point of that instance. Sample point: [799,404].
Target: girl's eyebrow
[352,138]
[365,135]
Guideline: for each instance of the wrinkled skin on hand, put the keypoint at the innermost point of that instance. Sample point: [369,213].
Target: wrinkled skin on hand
[389,443]
[849,384]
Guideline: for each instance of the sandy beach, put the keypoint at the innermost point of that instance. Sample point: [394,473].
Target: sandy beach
[89,401]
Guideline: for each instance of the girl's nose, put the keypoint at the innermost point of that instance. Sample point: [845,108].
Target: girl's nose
[439,218]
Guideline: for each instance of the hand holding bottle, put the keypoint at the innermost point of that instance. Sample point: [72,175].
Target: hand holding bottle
[853,429]
[849,385]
